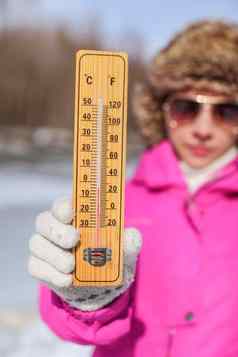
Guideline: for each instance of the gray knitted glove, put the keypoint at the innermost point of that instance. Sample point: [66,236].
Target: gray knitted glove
[52,262]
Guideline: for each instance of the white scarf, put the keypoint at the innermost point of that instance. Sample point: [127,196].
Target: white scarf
[197,177]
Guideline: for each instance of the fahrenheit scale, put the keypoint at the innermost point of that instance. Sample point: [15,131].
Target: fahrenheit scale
[99,166]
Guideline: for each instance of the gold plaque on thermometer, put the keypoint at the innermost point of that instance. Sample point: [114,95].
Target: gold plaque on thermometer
[99,166]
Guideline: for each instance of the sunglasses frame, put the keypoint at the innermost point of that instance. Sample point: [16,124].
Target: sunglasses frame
[201,99]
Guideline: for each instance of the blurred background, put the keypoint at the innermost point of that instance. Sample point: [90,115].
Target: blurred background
[38,41]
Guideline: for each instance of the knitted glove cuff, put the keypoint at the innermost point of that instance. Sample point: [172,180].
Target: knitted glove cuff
[92,298]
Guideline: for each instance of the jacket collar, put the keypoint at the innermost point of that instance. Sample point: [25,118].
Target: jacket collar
[159,168]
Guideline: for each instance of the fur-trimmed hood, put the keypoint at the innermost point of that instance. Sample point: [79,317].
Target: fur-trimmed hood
[202,56]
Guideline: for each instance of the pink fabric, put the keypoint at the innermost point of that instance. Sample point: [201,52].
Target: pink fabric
[184,301]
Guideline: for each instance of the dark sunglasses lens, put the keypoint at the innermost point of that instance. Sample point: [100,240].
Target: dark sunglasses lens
[183,109]
[227,112]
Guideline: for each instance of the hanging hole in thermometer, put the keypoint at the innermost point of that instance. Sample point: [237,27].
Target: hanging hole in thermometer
[99,166]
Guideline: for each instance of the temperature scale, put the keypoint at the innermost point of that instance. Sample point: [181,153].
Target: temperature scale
[99,166]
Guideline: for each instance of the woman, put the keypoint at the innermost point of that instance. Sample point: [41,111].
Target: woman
[182,298]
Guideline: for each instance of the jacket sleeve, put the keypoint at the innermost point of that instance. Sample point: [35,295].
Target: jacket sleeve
[100,327]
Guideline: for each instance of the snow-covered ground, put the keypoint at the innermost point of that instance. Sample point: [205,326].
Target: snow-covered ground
[26,189]
[33,338]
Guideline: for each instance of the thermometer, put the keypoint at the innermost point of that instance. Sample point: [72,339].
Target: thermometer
[99,166]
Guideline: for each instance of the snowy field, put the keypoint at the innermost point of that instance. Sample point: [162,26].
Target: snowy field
[28,188]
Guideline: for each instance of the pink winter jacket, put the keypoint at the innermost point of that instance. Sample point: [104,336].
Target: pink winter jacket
[184,301]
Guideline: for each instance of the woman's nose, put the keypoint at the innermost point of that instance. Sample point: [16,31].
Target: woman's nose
[203,125]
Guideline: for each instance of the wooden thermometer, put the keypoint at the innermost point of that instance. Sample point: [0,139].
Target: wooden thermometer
[99,166]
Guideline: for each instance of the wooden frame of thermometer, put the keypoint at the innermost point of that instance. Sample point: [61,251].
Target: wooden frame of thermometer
[99,166]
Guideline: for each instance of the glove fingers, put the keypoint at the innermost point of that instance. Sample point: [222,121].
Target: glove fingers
[45,272]
[61,259]
[132,244]
[62,210]
[65,236]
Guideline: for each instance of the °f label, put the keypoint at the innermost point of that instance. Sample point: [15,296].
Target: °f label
[99,166]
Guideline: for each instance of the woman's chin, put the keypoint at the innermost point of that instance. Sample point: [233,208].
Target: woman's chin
[198,162]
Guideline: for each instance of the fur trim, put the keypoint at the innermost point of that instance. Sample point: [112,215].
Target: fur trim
[202,56]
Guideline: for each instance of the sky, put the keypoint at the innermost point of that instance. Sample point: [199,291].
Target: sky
[155,20]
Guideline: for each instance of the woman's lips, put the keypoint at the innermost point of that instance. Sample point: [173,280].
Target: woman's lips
[200,151]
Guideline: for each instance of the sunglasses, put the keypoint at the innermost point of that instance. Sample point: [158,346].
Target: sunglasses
[185,109]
